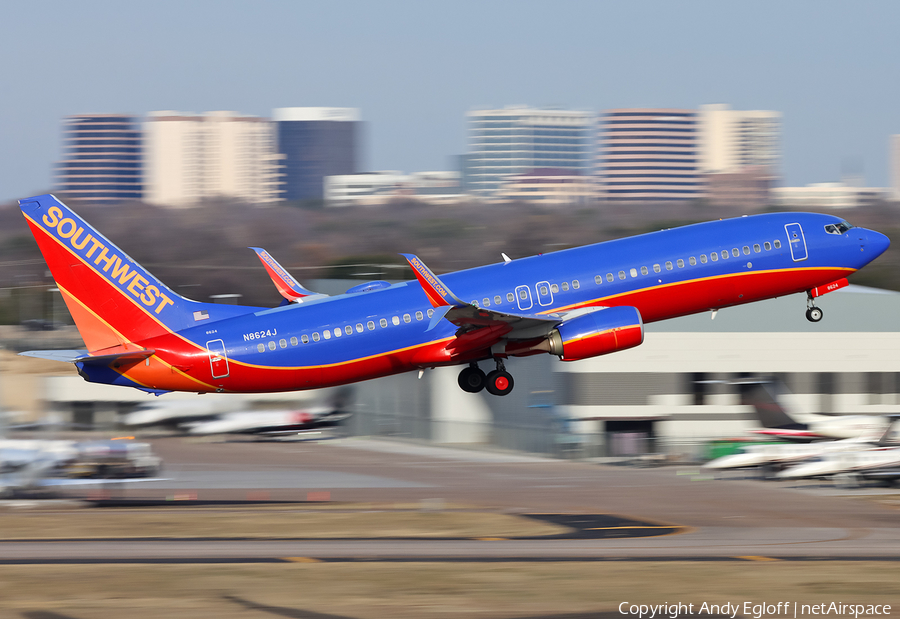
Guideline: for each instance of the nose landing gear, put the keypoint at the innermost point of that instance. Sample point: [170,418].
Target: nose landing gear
[498,382]
[813,313]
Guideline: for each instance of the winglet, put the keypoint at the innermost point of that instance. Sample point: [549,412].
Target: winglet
[434,288]
[287,285]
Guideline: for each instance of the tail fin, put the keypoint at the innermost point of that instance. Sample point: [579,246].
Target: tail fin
[763,396]
[113,300]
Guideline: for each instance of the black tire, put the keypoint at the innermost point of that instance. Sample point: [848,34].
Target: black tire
[499,382]
[471,380]
[814,314]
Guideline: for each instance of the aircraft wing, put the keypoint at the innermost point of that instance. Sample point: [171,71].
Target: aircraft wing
[469,317]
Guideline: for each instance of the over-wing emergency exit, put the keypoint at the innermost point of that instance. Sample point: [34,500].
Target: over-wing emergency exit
[575,304]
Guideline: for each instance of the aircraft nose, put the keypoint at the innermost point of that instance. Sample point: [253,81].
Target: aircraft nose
[875,243]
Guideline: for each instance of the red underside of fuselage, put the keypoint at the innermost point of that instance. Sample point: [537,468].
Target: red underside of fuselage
[187,367]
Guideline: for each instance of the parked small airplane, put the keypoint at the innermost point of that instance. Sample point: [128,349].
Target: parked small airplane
[878,463]
[575,304]
[763,395]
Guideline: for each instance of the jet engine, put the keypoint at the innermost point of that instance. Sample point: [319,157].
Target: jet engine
[597,333]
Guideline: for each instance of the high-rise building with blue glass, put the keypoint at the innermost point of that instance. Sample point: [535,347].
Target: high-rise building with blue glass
[315,142]
[512,141]
[101,160]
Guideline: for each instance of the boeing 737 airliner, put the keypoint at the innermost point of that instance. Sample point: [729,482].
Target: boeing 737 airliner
[574,304]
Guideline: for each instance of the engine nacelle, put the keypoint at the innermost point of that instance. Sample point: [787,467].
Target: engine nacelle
[598,333]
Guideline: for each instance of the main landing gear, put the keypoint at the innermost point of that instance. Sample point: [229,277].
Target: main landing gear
[497,382]
[813,313]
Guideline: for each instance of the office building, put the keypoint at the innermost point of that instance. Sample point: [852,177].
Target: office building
[827,196]
[101,160]
[649,154]
[316,142]
[379,188]
[516,140]
[192,157]
[548,186]
[731,140]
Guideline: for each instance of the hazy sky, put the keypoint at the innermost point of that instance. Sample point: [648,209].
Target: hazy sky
[415,68]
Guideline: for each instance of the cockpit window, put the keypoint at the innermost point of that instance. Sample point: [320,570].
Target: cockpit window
[838,228]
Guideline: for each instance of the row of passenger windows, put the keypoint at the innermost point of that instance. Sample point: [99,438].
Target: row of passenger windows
[692,261]
[523,294]
[348,329]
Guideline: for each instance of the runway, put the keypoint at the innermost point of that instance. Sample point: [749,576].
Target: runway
[625,513]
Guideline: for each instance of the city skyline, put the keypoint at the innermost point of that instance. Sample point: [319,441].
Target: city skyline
[827,67]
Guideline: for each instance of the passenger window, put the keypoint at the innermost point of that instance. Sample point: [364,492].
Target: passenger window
[304,338]
[370,325]
[271,345]
[475,302]
[283,343]
[359,327]
[724,253]
[714,256]
[692,261]
[523,294]
[395,320]
[383,322]
[294,341]
[485,302]
[767,245]
[598,279]
[656,268]
[680,263]
[498,300]
[554,288]
[644,271]
[633,272]
[565,286]
[756,248]
[430,313]
[510,297]
[316,336]
[609,277]
[337,331]
[419,315]
[407,318]
[621,274]
[326,334]
[576,285]
[261,347]
[702,258]
[777,244]
[746,250]
[544,291]
[735,252]
[668,265]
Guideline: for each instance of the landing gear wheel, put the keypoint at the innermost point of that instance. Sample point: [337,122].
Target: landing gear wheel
[471,379]
[814,314]
[499,382]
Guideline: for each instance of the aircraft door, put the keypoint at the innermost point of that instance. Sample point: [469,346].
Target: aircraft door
[544,293]
[797,241]
[523,298]
[218,358]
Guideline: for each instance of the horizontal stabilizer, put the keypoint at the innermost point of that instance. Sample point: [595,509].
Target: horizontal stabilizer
[287,286]
[82,356]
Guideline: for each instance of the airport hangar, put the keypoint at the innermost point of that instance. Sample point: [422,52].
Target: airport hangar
[675,389]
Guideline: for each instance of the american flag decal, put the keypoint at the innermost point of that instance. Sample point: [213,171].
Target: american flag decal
[201,315]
